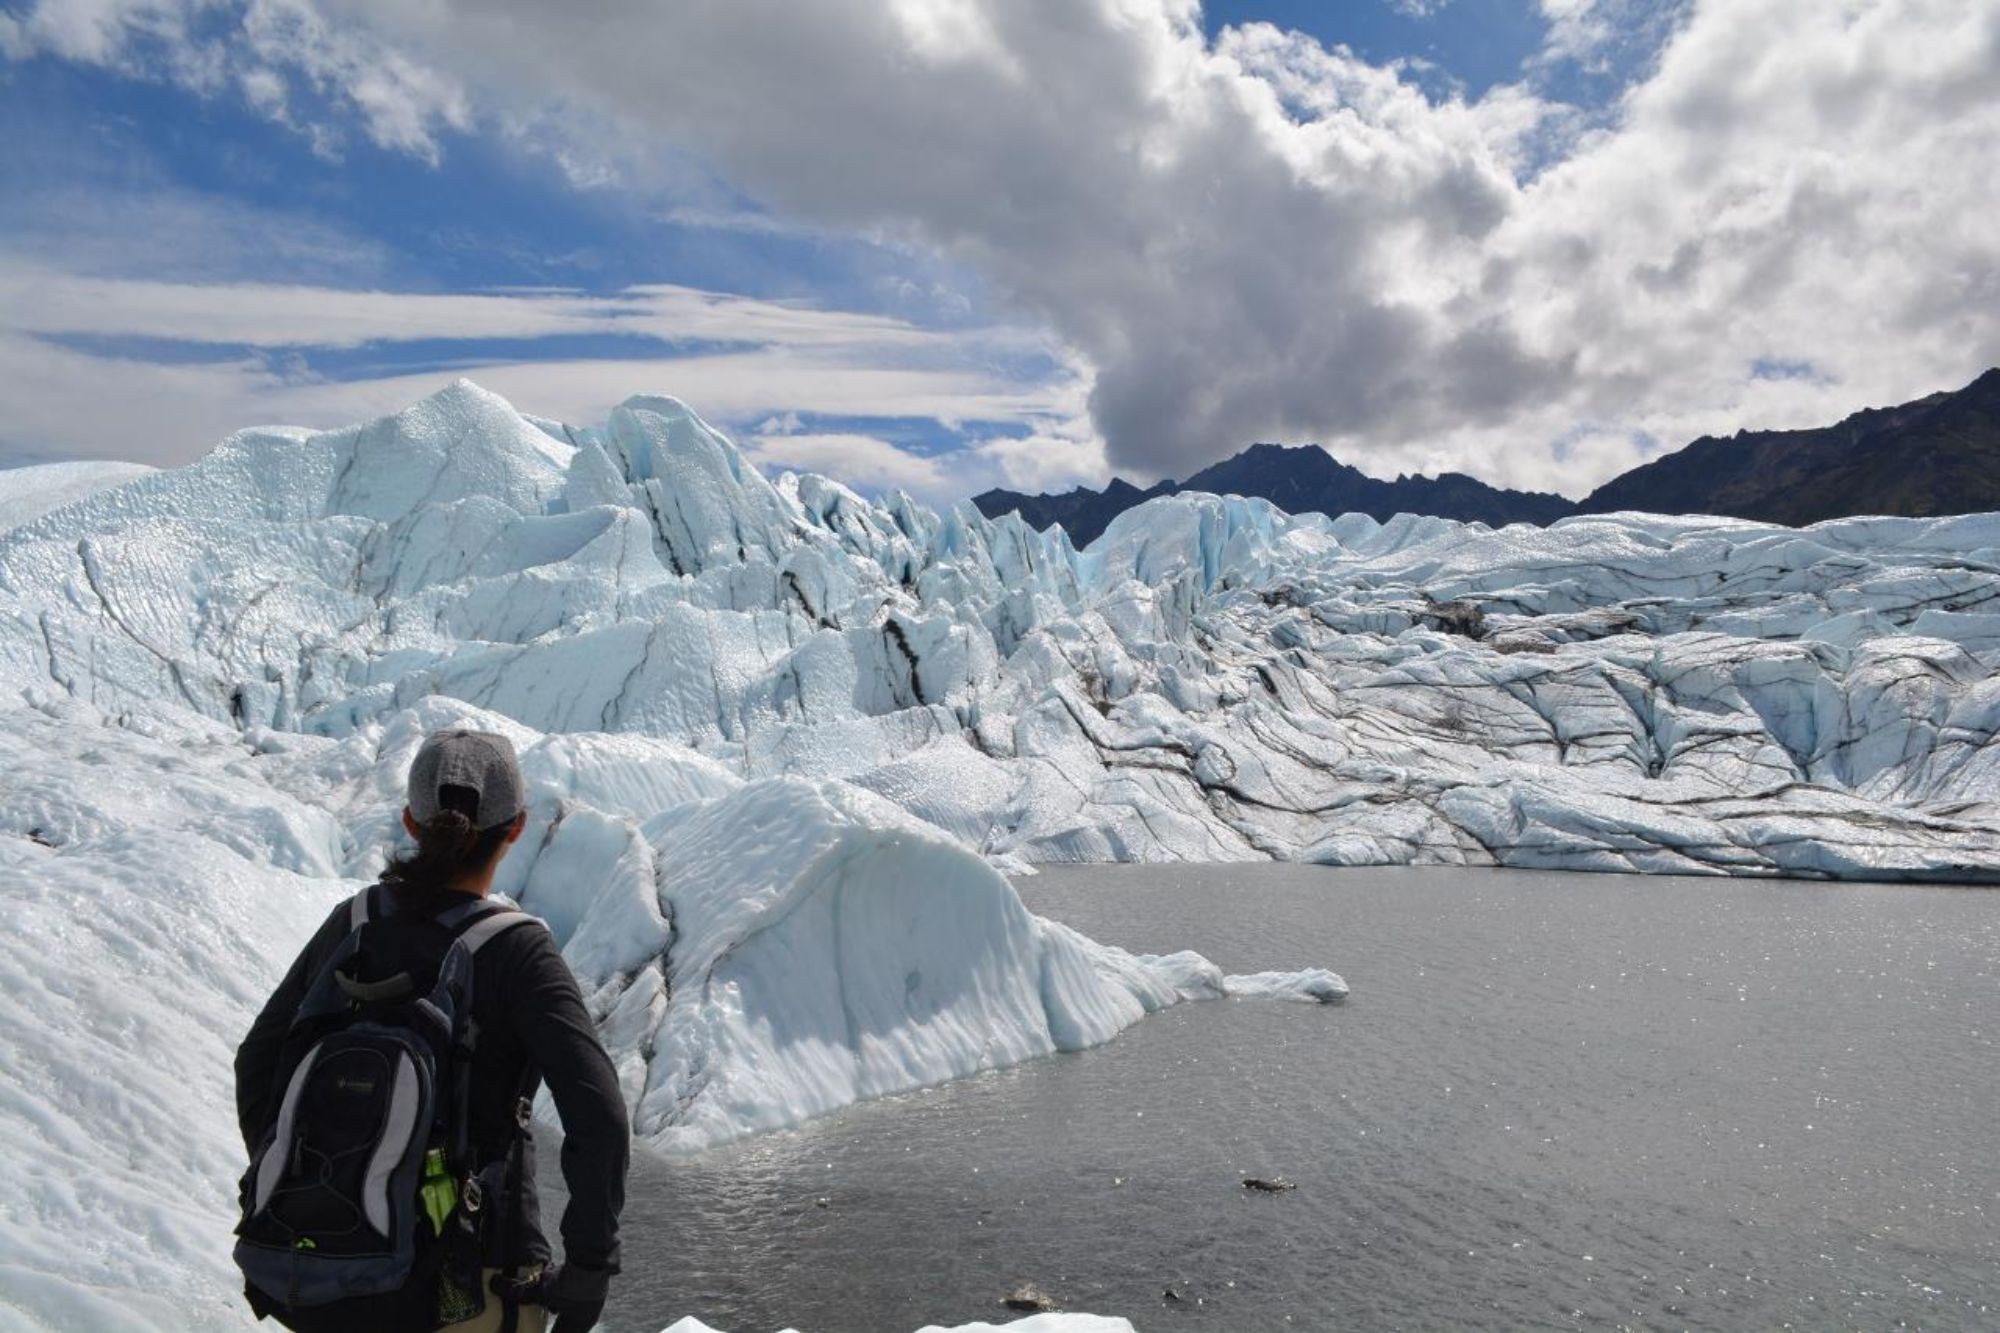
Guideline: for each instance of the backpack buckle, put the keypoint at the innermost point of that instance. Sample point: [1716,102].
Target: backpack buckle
[472,1196]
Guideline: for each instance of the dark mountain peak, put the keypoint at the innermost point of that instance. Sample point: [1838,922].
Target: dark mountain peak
[1983,392]
[1272,449]
[1298,478]
[1280,473]
[1082,512]
[1306,455]
[1937,455]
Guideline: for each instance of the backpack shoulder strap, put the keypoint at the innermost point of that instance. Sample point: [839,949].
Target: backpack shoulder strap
[478,921]
[323,995]
[474,923]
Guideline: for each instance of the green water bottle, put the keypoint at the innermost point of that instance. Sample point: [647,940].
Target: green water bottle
[440,1196]
[439,1190]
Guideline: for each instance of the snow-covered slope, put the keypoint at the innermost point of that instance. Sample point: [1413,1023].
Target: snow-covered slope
[29,492]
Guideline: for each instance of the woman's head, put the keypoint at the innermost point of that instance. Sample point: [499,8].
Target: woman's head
[466,804]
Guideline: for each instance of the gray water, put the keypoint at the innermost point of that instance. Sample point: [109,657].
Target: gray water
[1552,1101]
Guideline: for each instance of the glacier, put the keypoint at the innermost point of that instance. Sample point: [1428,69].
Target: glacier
[783,742]
[1210,680]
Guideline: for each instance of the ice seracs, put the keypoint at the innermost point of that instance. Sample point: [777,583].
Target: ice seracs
[153,889]
[1210,679]
[761,952]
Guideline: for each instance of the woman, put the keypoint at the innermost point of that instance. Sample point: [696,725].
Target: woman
[466,807]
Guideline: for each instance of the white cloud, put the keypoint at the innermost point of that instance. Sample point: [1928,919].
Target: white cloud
[208,46]
[753,361]
[1597,34]
[1261,238]
[64,404]
[1576,27]
[863,461]
[1041,462]
[38,298]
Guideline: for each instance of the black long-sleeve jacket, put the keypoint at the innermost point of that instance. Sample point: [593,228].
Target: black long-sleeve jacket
[532,1028]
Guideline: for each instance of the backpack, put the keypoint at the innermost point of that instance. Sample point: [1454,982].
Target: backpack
[361,1207]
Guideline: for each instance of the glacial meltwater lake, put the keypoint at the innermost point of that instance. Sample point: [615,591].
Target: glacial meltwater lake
[1551,1102]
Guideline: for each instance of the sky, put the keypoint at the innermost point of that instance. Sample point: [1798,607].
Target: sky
[944,245]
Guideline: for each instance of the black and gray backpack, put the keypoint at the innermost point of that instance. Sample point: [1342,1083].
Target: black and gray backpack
[362,1206]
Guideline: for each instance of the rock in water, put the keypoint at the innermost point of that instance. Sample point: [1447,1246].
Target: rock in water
[1275,1185]
[1028,1297]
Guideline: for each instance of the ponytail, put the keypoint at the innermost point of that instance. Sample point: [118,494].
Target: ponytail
[447,843]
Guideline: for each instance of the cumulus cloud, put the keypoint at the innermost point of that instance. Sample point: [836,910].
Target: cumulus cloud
[1044,461]
[1261,237]
[283,57]
[1256,236]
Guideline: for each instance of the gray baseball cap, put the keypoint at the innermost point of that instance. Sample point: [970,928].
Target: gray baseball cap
[481,760]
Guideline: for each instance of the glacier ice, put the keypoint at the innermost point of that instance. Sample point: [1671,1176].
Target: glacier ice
[29,492]
[783,740]
[1212,679]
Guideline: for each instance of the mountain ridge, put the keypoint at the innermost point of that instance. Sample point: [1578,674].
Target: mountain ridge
[1931,457]
[1935,456]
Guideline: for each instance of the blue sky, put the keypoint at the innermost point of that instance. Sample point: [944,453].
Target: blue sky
[1478,43]
[245,199]
[185,246]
